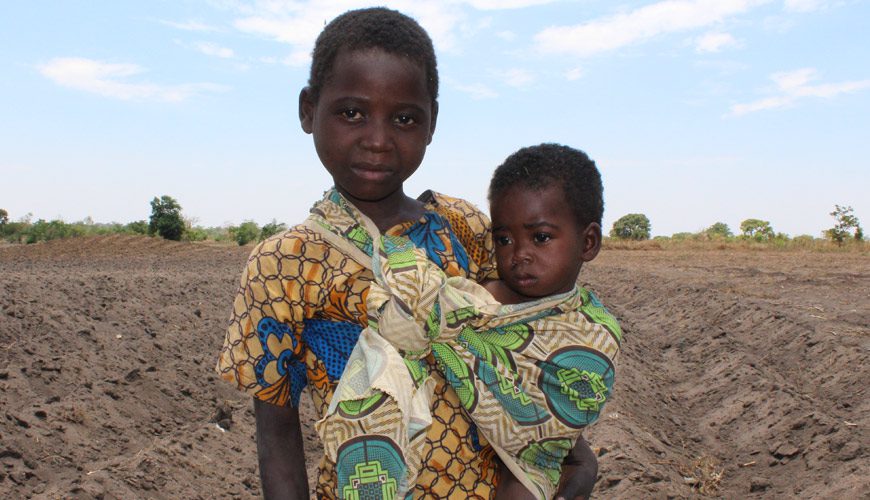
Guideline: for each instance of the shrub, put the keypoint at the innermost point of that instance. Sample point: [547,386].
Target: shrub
[136,227]
[631,227]
[846,226]
[195,234]
[245,233]
[166,218]
[756,229]
[271,228]
[719,230]
[43,230]
[683,236]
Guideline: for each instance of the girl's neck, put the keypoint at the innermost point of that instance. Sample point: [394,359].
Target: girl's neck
[388,212]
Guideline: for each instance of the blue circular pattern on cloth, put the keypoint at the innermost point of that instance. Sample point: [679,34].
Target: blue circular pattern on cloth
[576,383]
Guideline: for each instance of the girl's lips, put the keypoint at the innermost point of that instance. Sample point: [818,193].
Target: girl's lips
[371,173]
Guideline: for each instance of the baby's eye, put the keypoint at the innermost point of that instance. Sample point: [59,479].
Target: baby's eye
[406,120]
[542,237]
[351,114]
[502,241]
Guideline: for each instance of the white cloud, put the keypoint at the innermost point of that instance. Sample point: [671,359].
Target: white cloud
[190,26]
[574,74]
[795,85]
[505,4]
[641,24]
[762,105]
[723,67]
[295,59]
[507,36]
[298,23]
[715,42]
[295,31]
[212,49]
[475,90]
[516,77]
[109,80]
[805,5]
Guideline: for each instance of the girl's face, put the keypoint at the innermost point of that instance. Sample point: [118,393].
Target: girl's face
[539,247]
[371,124]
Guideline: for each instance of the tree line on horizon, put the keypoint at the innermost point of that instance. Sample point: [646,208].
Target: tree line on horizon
[167,221]
[638,227]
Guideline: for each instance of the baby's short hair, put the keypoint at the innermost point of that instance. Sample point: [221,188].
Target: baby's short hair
[537,167]
[372,28]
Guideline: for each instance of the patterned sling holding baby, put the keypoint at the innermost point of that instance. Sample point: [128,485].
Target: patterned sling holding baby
[530,375]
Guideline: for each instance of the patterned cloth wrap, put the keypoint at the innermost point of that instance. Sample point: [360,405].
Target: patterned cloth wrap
[530,375]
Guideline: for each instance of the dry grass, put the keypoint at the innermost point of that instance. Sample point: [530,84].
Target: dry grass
[704,475]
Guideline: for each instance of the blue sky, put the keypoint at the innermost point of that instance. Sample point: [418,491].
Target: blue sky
[695,111]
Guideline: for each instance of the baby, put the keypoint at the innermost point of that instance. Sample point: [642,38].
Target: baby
[546,205]
[529,355]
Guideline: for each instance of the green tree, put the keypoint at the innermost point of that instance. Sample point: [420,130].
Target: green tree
[631,227]
[271,228]
[756,229]
[719,230]
[245,233]
[846,226]
[166,218]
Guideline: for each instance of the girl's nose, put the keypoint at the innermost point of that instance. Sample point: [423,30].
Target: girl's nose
[377,136]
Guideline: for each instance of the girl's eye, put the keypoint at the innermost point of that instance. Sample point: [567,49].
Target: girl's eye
[351,114]
[502,241]
[406,120]
[542,238]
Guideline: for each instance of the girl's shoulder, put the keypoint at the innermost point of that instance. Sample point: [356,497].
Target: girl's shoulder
[297,240]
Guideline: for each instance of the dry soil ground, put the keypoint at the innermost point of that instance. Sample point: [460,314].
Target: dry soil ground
[744,374]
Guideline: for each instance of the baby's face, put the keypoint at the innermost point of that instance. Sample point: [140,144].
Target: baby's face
[538,246]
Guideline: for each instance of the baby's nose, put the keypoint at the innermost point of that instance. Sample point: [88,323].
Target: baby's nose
[521,257]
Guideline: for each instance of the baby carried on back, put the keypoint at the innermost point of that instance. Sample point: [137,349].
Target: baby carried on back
[530,375]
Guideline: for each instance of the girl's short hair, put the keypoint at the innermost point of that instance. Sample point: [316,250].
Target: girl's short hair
[372,28]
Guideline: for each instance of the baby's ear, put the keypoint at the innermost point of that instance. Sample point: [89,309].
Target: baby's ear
[591,242]
[306,110]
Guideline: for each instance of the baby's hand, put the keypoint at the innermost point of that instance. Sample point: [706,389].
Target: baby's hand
[579,473]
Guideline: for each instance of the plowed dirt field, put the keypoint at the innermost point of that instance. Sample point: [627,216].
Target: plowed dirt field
[743,374]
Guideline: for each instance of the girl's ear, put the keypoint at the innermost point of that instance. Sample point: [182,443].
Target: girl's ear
[433,121]
[591,242]
[306,110]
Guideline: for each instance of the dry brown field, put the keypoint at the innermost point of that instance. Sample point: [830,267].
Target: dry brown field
[743,374]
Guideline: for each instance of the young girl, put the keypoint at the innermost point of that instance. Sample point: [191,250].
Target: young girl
[371,107]
[531,360]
